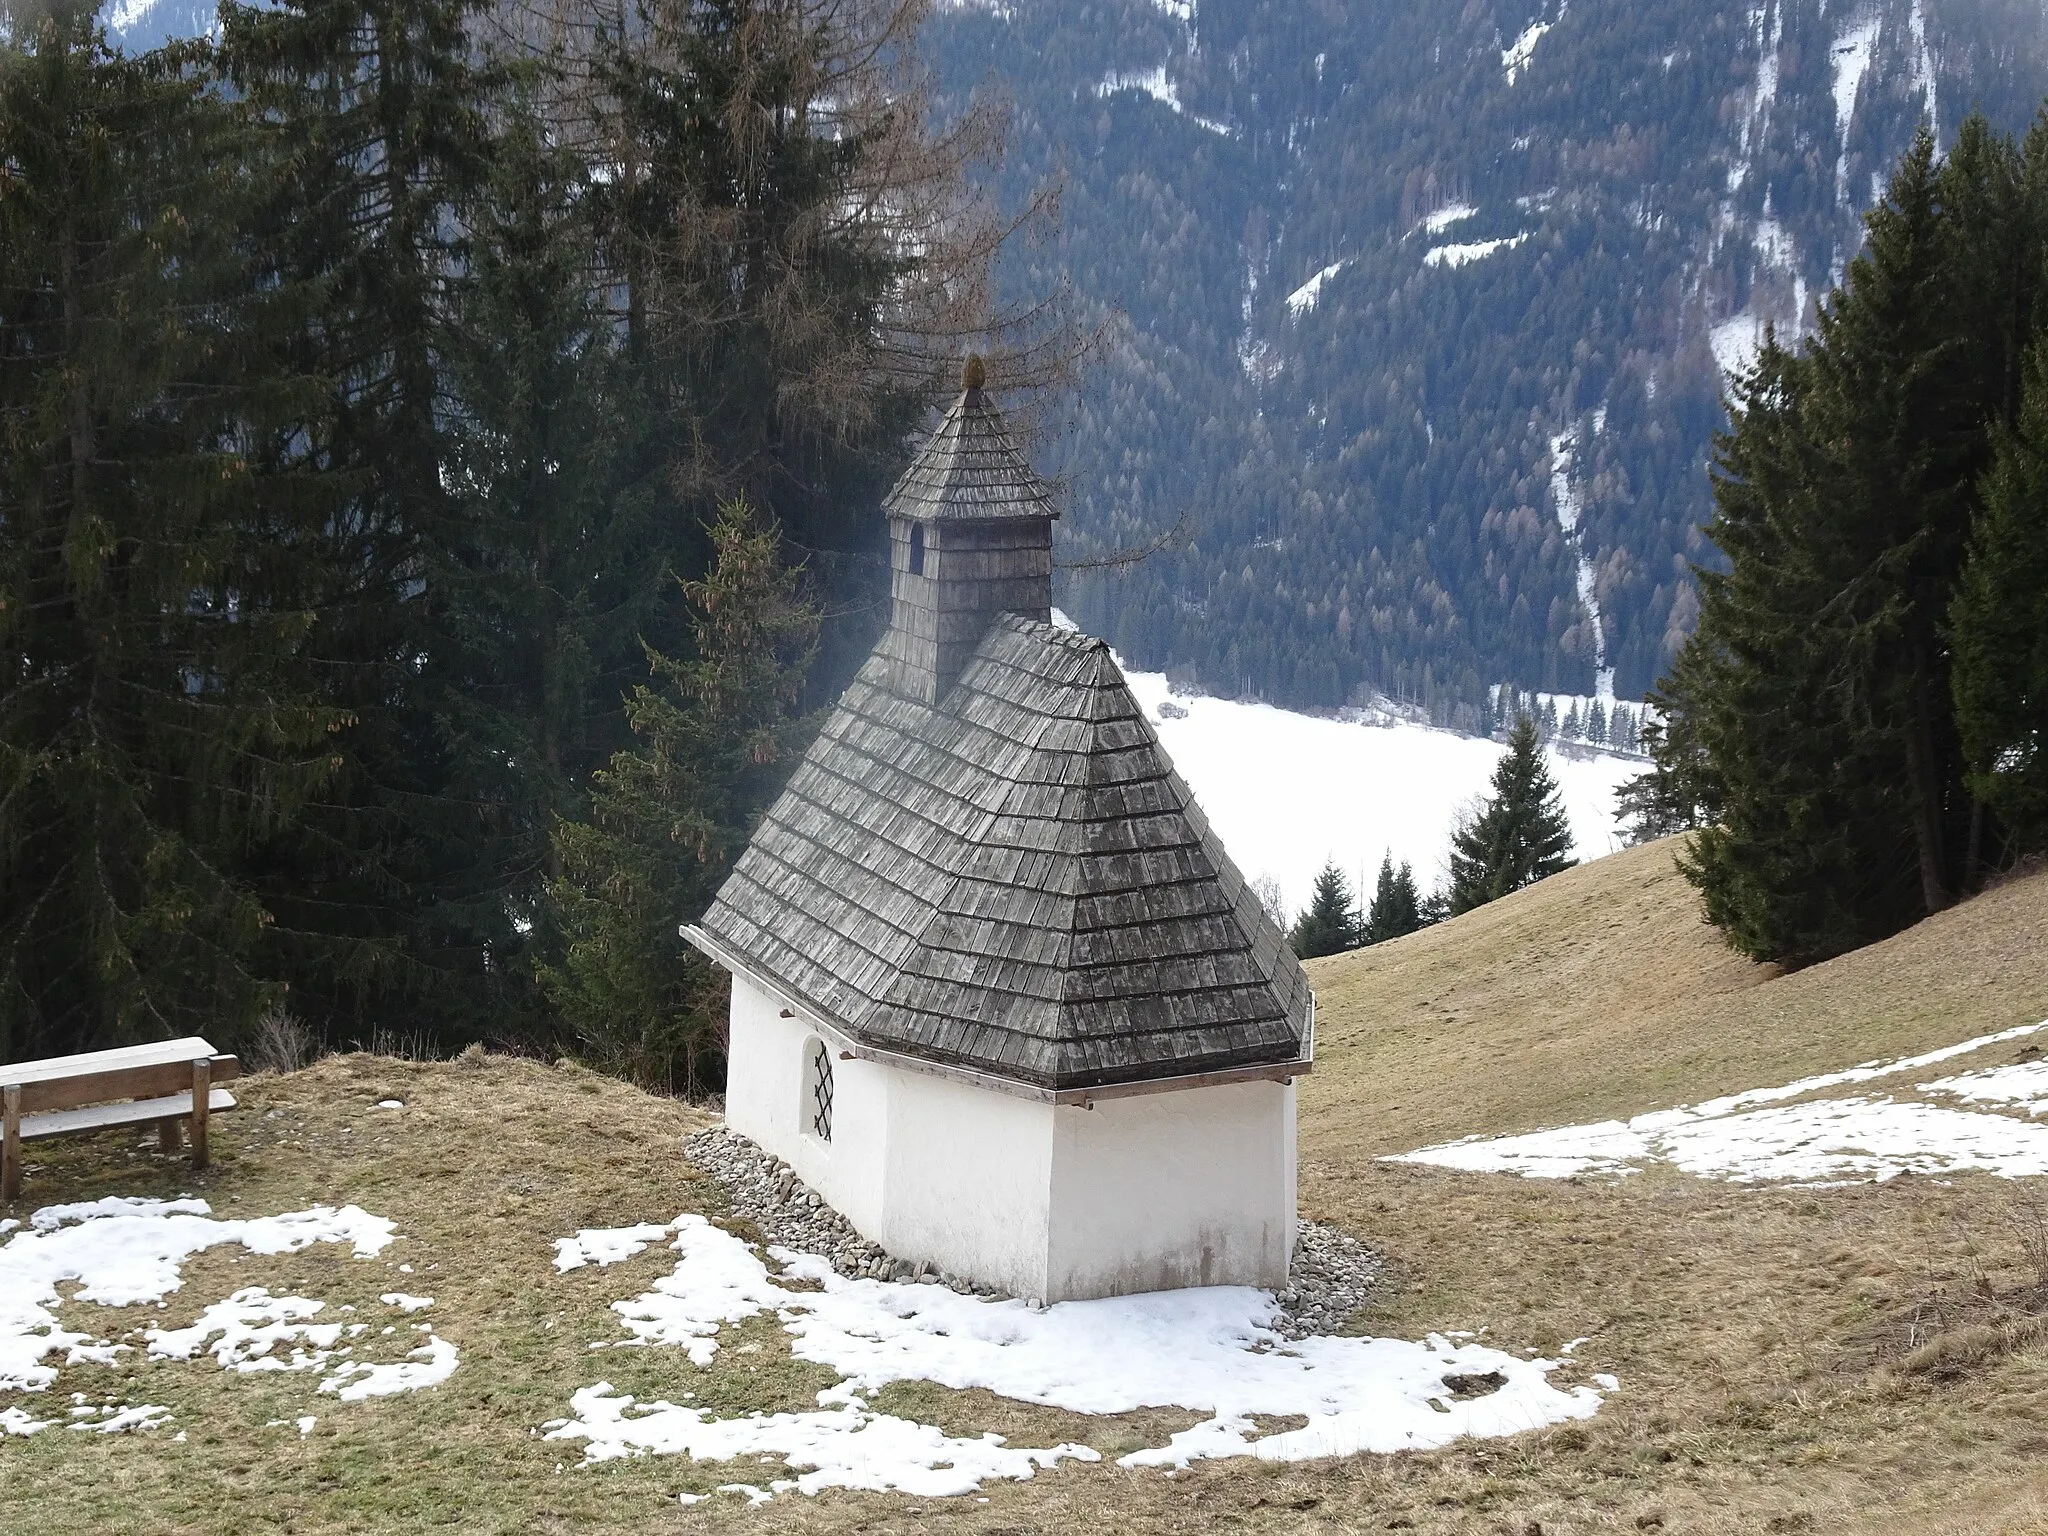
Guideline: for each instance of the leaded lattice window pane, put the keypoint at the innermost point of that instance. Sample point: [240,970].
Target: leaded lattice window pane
[821,1090]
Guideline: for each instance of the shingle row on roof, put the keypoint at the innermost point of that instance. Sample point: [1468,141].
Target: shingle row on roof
[1015,881]
[969,469]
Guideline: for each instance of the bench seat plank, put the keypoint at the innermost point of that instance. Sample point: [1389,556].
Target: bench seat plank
[63,1122]
[158,1053]
[94,1084]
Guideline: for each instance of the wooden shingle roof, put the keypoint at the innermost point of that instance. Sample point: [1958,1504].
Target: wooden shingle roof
[1014,882]
[970,469]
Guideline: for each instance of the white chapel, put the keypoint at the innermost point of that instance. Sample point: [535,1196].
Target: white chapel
[998,993]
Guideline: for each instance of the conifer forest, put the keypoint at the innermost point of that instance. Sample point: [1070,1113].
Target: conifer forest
[441,445]
[434,446]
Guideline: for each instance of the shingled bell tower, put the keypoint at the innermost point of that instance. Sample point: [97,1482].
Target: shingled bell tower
[970,538]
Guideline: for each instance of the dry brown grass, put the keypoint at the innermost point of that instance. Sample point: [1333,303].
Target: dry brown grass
[1601,993]
[1769,1342]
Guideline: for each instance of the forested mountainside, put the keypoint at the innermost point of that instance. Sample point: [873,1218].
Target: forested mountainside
[1417,312]
[1415,315]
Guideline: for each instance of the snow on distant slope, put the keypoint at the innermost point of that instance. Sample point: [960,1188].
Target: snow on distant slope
[1852,54]
[1477,250]
[1285,791]
[1565,495]
[1923,64]
[1161,87]
[1304,297]
[1451,213]
[138,25]
[1514,59]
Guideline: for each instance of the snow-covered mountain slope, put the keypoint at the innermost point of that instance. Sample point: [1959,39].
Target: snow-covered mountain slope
[1288,791]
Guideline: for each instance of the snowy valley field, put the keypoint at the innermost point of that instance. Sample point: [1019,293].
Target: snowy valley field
[534,1315]
[1287,791]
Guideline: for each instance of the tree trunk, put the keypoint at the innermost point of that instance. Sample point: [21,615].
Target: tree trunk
[1925,781]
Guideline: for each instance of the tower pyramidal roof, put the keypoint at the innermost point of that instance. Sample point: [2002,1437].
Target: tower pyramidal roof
[1011,881]
[969,467]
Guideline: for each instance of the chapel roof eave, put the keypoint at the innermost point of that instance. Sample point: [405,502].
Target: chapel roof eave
[1071,1091]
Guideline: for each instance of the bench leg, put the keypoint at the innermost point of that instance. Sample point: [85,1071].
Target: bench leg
[202,1104]
[168,1137]
[10,1143]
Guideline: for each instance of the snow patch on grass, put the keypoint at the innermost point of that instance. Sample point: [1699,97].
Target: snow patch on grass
[605,1245]
[428,1366]
[1212,1350]
[118,1420]
[844,1446]
[241,1333]
[1857,1139]
[122,1252]
[2023,1085]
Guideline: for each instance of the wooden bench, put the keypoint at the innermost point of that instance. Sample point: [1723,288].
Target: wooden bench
[160,1084]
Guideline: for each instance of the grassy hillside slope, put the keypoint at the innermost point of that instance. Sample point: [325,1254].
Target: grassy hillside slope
[1602,993]
[1863,1359]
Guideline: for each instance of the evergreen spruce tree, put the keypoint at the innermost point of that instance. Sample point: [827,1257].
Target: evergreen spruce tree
[1803,807]
[1622,730]
[376,122]
[566,530]
[1329,923]
[1396,906]
[1519,836]
[717,736]
[1812,703]
[1681,792]
[156,719]
[2000,627]
[762,271]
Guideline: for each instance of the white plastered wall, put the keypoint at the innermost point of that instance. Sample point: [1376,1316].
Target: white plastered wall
[765,1101]
[1163,1190]
[1152,1192]
[969,1180]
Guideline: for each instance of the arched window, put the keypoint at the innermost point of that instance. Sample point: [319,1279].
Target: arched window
[818,1089]
[917,549]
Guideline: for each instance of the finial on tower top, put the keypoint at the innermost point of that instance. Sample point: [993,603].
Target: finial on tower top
[975,374]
